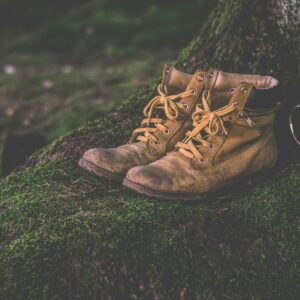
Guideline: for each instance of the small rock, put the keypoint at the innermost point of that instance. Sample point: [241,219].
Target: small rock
[89,30]
[67,69]
[9,112]
[26,122]
[48,84]
[99,100]
[9,69]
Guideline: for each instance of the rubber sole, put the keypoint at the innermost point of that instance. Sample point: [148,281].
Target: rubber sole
[220,194]
[92,168]
[171,195]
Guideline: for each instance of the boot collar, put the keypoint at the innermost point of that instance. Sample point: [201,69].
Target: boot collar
[175,80]
[222,81]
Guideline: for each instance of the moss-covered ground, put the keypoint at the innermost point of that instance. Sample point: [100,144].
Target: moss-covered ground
[52,97]
[67,235]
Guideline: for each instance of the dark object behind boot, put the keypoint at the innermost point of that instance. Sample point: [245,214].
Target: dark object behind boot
[17,148]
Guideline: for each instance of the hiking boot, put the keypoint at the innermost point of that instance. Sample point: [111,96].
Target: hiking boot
[167,118]
[224,147]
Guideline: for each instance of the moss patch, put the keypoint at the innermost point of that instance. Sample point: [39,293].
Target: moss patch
[65,234]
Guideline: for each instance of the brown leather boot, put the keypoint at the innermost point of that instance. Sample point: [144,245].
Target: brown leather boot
[167,118]
[224,147]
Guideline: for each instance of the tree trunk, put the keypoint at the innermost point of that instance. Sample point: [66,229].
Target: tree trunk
[65,235]
[250,36]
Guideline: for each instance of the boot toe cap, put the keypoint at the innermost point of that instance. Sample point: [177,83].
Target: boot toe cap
[93,155]
[100,157]
[89,155]
[150,177]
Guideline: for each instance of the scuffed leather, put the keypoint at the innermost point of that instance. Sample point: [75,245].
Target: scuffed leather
[120,159]
[243,152]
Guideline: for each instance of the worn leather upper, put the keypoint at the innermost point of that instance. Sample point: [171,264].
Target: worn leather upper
[247,147]
[120,159]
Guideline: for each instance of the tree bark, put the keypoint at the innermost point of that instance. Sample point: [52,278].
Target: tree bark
[250,36]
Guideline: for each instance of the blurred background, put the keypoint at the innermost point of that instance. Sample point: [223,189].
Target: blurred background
[63,62]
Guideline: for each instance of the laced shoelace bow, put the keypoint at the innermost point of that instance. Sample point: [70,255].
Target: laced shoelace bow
[171,107]
[206,123]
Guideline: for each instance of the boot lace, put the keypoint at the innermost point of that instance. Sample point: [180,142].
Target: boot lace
[206,123]
[169,105]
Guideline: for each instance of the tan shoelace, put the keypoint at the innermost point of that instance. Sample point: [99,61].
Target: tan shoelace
[206,123]
[170,106]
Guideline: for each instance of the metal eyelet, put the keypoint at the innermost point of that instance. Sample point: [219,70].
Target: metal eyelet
[221,132]
[201,160]
[186,106]
[156,143]
[236,104]
[232,90]
[211,146]
[200,77]
[168,71]
[193,92]
[244,90]
[211,75]
[167,131]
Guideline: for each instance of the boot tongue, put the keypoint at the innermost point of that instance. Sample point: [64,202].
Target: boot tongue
[175,80]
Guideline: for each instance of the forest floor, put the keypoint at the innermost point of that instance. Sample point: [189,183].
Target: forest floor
[50,95]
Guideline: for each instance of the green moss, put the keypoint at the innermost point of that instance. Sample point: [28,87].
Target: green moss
[65,234]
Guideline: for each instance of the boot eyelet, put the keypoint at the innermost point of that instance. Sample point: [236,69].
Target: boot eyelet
[186,106]
[167,131]
[244,90]
[168,71]
[201,160]
[229,118]
[221,132]
[232,90]
[156,143]
[210,75]
[200,77]
[211,146]
[193,92]
[236,104]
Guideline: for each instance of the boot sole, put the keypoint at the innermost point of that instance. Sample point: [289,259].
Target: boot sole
[221,194]
[92,168]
